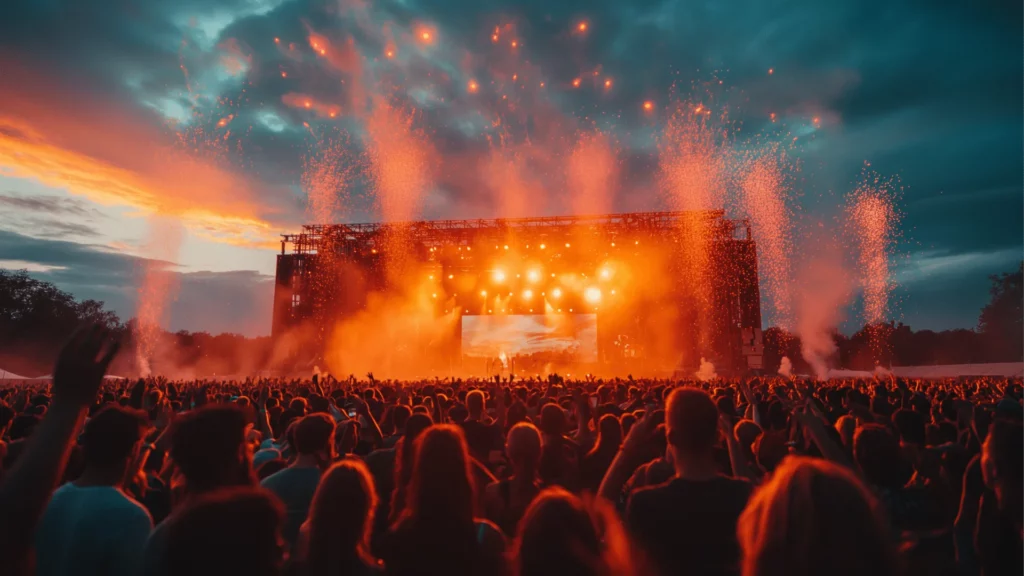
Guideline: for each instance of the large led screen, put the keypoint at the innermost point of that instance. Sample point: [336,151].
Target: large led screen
[530,338]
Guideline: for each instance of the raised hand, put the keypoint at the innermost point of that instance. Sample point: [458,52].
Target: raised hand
[81,365]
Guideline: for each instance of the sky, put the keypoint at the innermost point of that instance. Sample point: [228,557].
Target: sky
[187,136]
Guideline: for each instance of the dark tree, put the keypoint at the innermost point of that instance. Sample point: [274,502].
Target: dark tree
[1001,323]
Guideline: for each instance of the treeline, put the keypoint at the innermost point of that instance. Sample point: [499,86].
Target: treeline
[36,318]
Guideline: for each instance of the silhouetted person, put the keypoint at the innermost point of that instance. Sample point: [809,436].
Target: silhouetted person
[336,538]
[811,518]
[688,525]
[229,531]
[438,532]
[90,525]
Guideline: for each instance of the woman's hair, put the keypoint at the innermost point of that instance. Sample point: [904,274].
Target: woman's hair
[404,459]
[609,435]
[814,517]
[341,519]
[441,491]
[560,535]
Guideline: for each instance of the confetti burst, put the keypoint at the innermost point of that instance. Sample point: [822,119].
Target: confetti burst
[765,190]
[693,164]
[326,174]
[873,220]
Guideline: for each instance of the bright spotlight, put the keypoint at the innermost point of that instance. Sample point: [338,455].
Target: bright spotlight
[483,293]
[606,273]
[533,276]
[527,294]
[542,246]
[498,276]
[556,293]
[592,295]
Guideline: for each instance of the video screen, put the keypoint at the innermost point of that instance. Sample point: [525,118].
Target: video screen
[565,338]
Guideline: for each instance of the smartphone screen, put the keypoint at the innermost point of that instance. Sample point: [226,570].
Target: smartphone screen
[351,413]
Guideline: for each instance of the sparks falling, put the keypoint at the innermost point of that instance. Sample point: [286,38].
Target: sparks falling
[765,191]
[874,219]
[326,175]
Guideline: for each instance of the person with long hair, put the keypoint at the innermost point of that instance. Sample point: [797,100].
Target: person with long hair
[335,540]
[438,531]
[404,461]
[815,517]
[507,500]
[596,462]
[560,535]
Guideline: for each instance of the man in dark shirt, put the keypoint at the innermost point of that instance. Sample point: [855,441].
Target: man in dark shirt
[688,524]
[481,436]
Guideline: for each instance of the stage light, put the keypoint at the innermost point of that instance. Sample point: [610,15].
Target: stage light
[531,309]
[637,242]
[566,244]
[498,276]
[556,293]
[613,244]
[431,276]
[468,248]
[527,294]
[552,274]
[606,273]
[533,276]
[613,292]
[483,293]
[506,246]
[592,294]
[450,276]
[570,309]
[433,295]
[542,246]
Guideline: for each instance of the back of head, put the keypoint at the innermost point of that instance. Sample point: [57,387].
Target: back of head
[1003,467]
[404,461]
[814,517]
[559,536]
[524,446]
[400,416]
[552,420]
[313,434]
[442,485]
[110,437]
[228,531]
[609,432]
[911,426]
[691,421]
[475,403]
[341,518]
[208,446]
[877,452]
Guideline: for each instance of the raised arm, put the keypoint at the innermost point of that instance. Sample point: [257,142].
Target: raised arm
[25,491]
[627,460]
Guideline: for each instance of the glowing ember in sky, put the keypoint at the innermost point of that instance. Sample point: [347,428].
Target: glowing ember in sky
[771,71]
[648,105]
[284,74]
[576,83]
[472,86]
[608,83]
[515,43]
[582,26]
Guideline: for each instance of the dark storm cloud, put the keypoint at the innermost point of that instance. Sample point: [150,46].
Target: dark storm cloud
[929,91]
[238,301]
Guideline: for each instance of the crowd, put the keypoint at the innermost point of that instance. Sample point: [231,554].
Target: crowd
[755,476]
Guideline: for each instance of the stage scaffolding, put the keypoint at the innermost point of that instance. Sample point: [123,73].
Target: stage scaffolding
[356,238]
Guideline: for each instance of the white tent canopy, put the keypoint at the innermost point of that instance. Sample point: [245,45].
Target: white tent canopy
[5,375]
[998,369]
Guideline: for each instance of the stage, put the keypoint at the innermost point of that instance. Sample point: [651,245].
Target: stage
[644,293]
